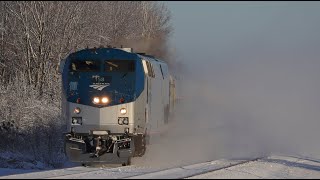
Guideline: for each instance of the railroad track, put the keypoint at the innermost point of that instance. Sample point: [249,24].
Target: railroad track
[192,170]
[134,172]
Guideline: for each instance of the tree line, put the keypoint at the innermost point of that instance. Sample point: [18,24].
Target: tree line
[37,35]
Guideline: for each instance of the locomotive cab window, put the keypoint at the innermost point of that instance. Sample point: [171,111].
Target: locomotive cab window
[120,66]
[85,66]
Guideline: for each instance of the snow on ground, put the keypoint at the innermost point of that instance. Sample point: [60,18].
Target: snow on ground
[7,171]
[272,167]
[17,163]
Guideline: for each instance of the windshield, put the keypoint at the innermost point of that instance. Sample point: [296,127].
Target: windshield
[85,66]
[119,66]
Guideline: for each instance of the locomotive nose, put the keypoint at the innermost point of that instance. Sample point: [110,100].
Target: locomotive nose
[113,118]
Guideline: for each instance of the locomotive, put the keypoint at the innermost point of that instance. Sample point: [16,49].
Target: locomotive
[113,100]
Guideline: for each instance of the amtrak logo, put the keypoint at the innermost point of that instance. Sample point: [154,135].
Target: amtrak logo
[99,86]
[100,82]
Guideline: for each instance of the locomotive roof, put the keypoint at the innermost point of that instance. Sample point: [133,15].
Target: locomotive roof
[150,58]
[123,53]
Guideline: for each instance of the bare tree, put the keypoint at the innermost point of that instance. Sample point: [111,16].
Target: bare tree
[36,35]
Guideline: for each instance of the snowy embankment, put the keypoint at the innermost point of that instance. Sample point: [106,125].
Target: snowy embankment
[18,161]
[270,167]
[281,167]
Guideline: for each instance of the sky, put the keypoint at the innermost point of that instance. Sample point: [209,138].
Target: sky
[253,66]
[213,29]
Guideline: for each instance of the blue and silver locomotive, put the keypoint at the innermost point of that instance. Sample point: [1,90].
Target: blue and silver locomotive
[113,100]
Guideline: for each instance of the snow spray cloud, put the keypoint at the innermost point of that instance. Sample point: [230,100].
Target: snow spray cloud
[259,92]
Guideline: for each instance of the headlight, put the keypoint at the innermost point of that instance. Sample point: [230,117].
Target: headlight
[123,111]
[76,120]
[126,121]
[105,100]
[96,100]
[77,110]
[123,120]
[120,121]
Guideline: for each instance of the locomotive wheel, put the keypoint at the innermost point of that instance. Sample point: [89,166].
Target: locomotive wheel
[140,145]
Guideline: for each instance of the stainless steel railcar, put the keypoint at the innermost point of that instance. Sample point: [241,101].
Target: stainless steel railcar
[113,99]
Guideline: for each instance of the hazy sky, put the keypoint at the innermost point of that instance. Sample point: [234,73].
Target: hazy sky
[213,29]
